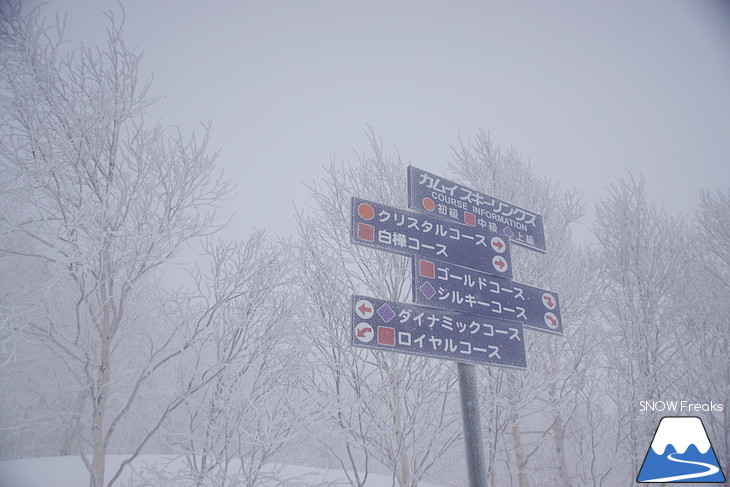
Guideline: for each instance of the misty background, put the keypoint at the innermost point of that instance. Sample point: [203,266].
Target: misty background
[234,365]
[582,91]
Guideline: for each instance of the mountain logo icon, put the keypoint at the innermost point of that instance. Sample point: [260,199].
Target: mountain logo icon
[680,452]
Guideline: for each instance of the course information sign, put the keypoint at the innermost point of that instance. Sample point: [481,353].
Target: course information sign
[443,285]
[431,194]
[412,329]
[410,233]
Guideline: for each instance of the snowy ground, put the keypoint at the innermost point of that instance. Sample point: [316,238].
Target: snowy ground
[70,472]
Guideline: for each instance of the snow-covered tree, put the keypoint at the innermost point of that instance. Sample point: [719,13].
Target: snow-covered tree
[640,251]
[101,201]
[383,406]
[524,409]
[251,411]
[705,294]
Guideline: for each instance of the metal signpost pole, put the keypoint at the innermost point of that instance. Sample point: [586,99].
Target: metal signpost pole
[475,458]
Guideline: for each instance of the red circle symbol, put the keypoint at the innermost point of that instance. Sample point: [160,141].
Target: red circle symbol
[365,211]
[429,204]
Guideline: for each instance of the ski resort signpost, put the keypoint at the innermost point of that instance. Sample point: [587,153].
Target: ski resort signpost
[466,307]
[409,233]
[452,201]
[443,285]
[418,330]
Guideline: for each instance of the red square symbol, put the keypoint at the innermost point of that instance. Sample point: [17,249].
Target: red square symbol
[470,219]
[386,336]
[365,232]
[426,269]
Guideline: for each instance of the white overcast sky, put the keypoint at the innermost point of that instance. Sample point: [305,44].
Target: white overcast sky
[584,90]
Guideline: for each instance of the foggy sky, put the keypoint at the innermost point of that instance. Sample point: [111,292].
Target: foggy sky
[584,91]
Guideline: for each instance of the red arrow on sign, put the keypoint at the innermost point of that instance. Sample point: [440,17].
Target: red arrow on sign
[549,301]
[552,320]
[498,244]
[362,331]
[499,263]
[364,309]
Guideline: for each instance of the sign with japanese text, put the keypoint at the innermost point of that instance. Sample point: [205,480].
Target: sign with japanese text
[409,233]
[431,194]
[448,286]
[419,330]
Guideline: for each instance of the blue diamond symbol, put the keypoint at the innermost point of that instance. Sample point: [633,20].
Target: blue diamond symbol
[508,231]
[427,290]
[386,312]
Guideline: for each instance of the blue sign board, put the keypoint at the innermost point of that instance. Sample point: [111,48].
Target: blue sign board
[443,285]
[419,330]
[431,194]
[410,233]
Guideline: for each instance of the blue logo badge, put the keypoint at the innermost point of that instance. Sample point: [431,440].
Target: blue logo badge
[680,452]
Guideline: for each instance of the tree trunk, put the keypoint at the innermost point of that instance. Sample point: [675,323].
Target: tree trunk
[70,439]
[558,433]
[403,471]
[106,332]
[519,455]
[98,412]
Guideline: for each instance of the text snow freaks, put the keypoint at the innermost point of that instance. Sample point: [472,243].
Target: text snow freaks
[680,406]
